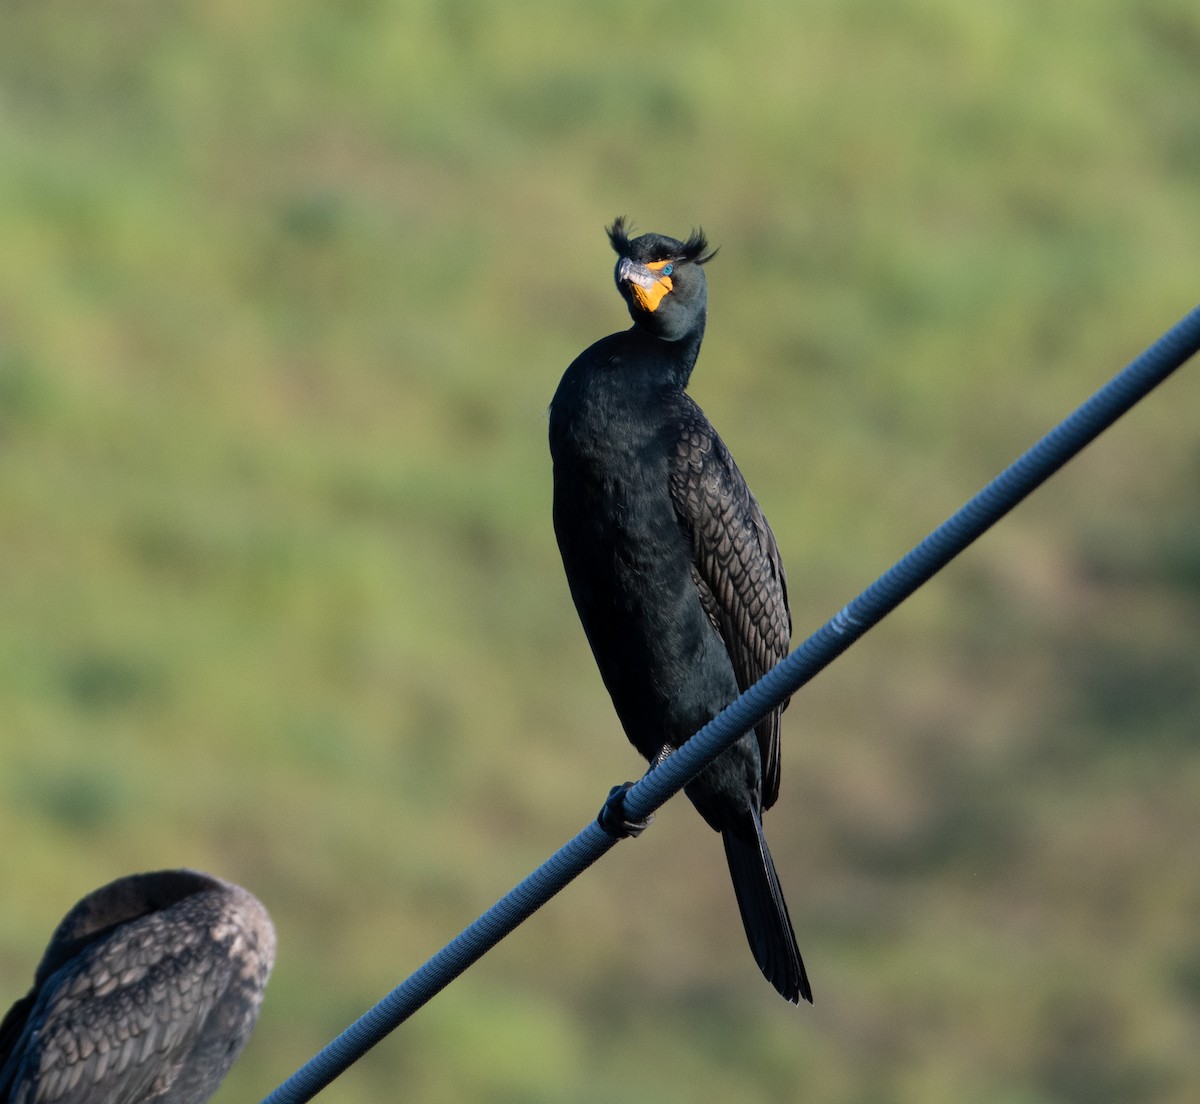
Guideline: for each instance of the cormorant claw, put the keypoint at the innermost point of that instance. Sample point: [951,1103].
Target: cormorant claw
[613,818]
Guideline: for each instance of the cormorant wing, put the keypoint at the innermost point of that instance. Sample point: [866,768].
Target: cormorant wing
[115,1022]
[736,567]
[11,1029]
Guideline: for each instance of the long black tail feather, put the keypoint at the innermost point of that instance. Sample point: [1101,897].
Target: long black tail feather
[764,911]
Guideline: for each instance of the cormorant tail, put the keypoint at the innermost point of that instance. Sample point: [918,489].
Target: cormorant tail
[764,911]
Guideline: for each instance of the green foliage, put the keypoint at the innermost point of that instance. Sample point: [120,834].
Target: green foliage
[284,292]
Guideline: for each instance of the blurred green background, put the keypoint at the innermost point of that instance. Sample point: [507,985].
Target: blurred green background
[285,289]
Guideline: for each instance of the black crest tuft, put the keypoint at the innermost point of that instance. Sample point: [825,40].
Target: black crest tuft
[618,236]
[695,249]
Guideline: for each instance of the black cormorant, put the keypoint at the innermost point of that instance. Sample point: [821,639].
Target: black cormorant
[672,566]
[147,992]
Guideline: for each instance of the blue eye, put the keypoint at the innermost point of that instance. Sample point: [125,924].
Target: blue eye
[668,269]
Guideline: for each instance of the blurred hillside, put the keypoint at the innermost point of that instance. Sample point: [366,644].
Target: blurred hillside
[285,290]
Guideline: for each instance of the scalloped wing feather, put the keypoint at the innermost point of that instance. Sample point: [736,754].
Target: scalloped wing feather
[737,568]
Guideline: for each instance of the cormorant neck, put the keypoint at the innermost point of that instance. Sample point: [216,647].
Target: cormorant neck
[680,352]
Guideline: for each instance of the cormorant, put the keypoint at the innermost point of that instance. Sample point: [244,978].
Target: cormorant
[673,569]
[147,992]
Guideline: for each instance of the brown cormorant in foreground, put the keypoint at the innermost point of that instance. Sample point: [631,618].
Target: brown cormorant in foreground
[672,566]
[147,992]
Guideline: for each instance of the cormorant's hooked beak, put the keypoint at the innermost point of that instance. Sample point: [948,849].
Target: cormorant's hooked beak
[647,281]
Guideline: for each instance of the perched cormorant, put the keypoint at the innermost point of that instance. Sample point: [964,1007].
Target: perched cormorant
[672,566]
[147,992]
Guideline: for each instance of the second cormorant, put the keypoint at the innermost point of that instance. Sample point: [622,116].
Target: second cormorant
[147,993]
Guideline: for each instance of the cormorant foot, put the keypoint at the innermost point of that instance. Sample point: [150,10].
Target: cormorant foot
[613,818]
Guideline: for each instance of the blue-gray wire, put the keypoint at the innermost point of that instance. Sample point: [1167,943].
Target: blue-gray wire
[1003,493]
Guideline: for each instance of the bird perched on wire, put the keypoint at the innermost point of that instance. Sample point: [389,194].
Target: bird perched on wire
[673,569]
[148,991]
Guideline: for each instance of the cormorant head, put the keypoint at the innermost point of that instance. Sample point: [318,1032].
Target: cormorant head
[117,903]
[661,280]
